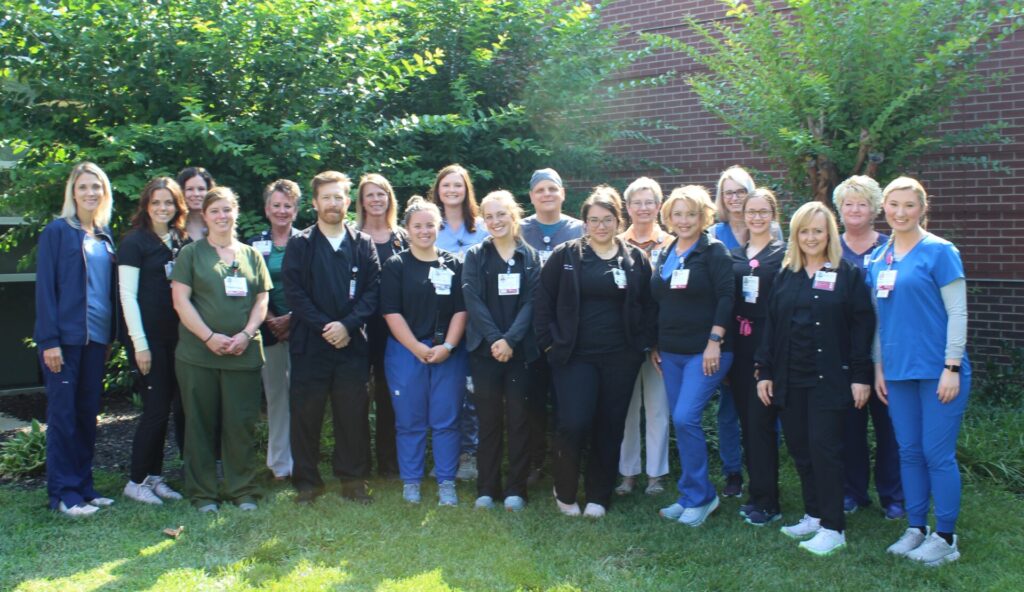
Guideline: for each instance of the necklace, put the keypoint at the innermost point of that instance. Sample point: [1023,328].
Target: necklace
[227,246]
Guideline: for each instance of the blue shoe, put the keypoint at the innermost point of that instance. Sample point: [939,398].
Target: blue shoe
[411,493]
[850,505]
[895,511]
[446,495]
[762,517]
[672,512]
[746,509]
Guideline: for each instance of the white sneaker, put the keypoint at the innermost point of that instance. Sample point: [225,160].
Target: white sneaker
[672,512]
[935,551]
[141,492]
[911,539]
[78,511]
[594,511]
[101,502]
[807,526]
[162,489]
[484,502]
[572,509]
[825,542]
[696,516]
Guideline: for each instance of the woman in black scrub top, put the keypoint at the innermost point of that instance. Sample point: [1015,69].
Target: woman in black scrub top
[377,215]
[593,315]
[755,265]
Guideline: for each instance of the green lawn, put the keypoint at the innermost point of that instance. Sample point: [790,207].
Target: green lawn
[394,546]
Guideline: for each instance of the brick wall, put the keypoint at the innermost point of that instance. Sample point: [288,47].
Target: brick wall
[982,212]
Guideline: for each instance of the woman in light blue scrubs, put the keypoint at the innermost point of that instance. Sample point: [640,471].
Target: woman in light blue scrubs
[921,367]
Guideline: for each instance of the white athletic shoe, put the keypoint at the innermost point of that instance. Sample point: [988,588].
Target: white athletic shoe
[572,509]
[807,526]
[484,502]
[594,511]
[162,489]
[911,539]
[141,492]
[101,502]
[935,551]
[672,512]
[78,511]
[696,516]
[825,542]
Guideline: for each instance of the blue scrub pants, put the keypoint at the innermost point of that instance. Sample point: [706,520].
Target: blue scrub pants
[72,402]
[926,431]
[425,396]
[688,393]
[729,449]
[857,456]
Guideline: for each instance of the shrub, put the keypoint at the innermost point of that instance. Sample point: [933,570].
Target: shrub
[991,446]
[24,453]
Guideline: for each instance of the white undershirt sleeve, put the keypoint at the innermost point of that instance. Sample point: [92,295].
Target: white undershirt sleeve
[954,298]
[128,288]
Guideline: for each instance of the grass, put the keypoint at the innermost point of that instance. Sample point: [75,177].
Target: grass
[392,546]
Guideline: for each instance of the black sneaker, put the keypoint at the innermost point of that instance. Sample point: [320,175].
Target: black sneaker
[762,517]
[733,485]
[746,509]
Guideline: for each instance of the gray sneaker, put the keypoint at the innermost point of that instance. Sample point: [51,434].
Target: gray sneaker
[162,489]
[911,539]
[484,502]
[467,467]
[696,516]
[514,503]
[935,551]
[411,493]
[446,495]
[141,492]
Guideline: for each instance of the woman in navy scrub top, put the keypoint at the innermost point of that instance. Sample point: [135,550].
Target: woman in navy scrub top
[858,200]
[921,366]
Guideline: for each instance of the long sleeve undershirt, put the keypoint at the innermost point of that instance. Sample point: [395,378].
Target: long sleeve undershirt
[128,288]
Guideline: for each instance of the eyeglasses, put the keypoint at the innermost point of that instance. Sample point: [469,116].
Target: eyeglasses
[643,205]
[758,213]
[605,222]
[734,194]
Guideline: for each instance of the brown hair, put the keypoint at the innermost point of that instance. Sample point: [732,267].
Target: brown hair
[141,219]
[606,197]
[391,216]
[289,188]
[470,210]
[328,177]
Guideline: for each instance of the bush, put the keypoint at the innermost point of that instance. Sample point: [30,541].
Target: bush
[1003,383]
[24,454]
[992,446]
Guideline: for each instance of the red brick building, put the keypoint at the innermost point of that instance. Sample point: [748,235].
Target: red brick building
[981,211]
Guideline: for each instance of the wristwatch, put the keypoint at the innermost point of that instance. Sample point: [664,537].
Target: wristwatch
[448,347]
[715,337]
[954,368]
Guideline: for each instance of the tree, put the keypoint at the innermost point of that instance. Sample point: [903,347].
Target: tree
[832,88]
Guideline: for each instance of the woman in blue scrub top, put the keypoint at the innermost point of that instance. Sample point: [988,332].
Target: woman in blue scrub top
[76,321]
[921,367]
[858,200]
[421,300]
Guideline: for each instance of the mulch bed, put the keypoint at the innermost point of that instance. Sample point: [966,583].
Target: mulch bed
[115,429]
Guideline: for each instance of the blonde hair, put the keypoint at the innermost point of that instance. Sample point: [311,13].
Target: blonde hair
[697,198]
[391,215]
[769,196]
[289,188]
[861,185]
[641,184]
[508,200]
[737,174]
[416,204]
[101,218]
[794,259]
[222,193]
[901,183]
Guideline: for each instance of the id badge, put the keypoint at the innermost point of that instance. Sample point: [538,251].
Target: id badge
[886,283]
[544,256]
[867,260]
[236,286]
[441,277]
[751,288]
[680,278]
[352,284]
[655,255]
[825,280]
[620,278]
[263,246]
[169,268]
[508,284]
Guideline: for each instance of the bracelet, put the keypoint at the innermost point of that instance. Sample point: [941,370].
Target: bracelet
[251,337]
[210,337]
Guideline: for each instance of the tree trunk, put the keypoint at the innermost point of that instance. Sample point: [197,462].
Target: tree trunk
[823,178]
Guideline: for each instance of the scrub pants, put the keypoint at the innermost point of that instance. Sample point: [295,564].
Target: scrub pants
[857,456]
[341,376]
[384,420]
[927,431]
[501,392]
[688,393]
[593,396]
[648,390]
[234,395]
[72,402]
[276,370]
[760,425]
[544,388]
[426,396]
[814,437]
[729,449]
[159,393]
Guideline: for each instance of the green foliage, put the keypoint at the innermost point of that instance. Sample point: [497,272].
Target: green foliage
[284,88]
[831,88]
[1003,383]
[991,446]
[24,453]
[119,377]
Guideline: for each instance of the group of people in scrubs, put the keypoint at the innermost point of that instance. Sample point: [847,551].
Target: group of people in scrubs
[467,326]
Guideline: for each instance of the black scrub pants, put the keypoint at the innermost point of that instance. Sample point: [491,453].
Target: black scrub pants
[759,423]
[501,393]
[160,397]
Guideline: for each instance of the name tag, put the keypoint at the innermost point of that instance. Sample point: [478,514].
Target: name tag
[620,278]
[680,278]
[655,255]
[263,246]
[352,284]
[236,286]
[508,284]
[441,277]
[169,269]
[867,259]
[544,256]
[886,283]
[825,280]
[751,288]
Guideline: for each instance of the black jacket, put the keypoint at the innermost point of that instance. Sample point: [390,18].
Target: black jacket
[556,311]
[481,327]
[302,290]
[844,326]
